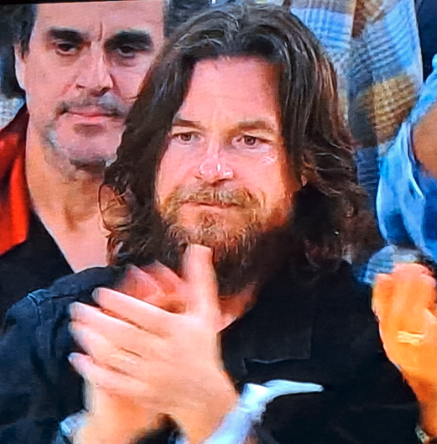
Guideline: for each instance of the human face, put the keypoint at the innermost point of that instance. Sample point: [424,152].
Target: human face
[83,70]
[224,168]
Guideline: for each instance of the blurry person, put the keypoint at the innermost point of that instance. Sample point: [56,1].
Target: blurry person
[230,206]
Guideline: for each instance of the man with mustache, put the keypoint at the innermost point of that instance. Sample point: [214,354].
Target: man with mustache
[230,206]
[81,67]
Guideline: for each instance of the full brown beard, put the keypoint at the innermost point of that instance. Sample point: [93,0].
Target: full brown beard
[246,254]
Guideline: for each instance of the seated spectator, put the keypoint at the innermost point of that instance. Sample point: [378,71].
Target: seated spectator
[53,153]
[407,192]
[406,209]
[236,143]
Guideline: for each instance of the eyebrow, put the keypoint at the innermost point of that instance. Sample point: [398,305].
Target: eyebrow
[141,39]
[245,125]
[70,35]
[178,121]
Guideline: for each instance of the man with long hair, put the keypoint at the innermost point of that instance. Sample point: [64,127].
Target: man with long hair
[231,204]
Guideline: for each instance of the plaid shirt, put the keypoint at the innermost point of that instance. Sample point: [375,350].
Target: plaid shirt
[374,45]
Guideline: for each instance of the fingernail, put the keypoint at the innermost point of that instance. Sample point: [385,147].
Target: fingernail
[75,309]
[73,357]
[96,295]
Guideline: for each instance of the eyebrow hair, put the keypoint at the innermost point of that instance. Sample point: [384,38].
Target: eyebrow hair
[178,121]
[245,125]
[141,39]
[70,35]
[256,125]
[135,37]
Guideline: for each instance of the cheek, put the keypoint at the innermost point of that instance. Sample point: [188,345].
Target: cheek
[279,184]
[129,80]
[170,174]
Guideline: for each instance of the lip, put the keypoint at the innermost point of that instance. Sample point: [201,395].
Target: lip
[89,117]
[89,113]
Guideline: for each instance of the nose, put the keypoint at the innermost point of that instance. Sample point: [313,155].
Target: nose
[94,75]
[213,167]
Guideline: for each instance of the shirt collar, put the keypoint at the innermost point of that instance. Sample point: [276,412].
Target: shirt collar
[14,199]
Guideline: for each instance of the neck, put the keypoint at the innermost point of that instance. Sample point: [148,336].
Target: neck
[66,202]
[234,307]
[57,189]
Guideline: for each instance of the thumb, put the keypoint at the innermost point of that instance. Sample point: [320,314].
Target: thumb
[198,272]
[415,291]
[382,296]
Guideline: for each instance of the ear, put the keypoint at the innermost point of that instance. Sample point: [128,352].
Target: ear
[20,66]
[303,179]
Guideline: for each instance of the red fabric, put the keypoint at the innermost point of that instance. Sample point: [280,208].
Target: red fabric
[14,196]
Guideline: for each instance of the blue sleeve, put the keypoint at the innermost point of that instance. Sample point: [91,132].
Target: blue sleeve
[407,194]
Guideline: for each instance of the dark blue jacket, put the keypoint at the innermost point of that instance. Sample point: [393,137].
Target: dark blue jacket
[322,332]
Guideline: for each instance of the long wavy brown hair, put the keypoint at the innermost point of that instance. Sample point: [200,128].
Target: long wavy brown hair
[329,215]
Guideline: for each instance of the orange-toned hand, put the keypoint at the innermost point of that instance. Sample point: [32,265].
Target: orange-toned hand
[405,304]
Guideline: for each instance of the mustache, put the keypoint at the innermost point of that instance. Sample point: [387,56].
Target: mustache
[216,196]
[107,105]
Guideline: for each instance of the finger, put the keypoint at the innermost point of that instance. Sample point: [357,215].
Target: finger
[106,378]
[139,313]
[167,278]
[155,284]
[140,285]
[198,272]
[414,292]
[119,333]
[382,296]
[105,354]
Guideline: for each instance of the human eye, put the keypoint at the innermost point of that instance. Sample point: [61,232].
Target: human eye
[185,137]
[247,141]
[65,48]
[127,51]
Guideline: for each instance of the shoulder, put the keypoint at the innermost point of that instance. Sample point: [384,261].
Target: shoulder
[42,310]
[78,286]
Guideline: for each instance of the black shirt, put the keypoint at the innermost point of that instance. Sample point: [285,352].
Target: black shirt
[322,333]
[34,264]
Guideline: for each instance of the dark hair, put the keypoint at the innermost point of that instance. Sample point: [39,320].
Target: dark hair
[330,218]
[17,24]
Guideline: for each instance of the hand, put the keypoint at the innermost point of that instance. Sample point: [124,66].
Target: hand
[405,304]
[113,419]
[164,361]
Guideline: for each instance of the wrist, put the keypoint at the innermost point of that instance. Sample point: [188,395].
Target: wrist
[92,429]
[200,422]
[429,418]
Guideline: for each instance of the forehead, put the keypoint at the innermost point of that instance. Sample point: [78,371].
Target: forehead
[243,88]
[101,19]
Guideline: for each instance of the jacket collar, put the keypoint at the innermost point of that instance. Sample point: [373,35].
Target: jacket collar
[14,196]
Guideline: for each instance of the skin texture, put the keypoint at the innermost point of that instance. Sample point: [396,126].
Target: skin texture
[424,137]
[58,70]
[141,345]
[230,141]
[79,87]
[406,301]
